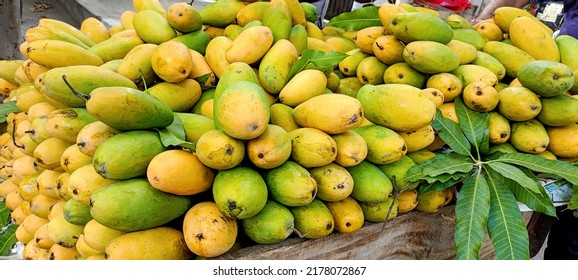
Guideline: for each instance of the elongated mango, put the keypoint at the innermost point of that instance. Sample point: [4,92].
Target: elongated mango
[275,66]
[56,53]
[216,54]
[117,46]
[277,16]
[528,35]
[512,57]
[250,45]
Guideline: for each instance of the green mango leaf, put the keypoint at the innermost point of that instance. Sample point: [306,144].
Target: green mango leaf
[512,172]
[321,60]
[539,164]
[448,164]
[4,214]
[203,78]
[415,173]
[539,202]
[475,126]
[506,228]
[7,239]
[472,211]
[174,135]
[451,133]
[6,109]
[357,19]
[573,205]
[443,178]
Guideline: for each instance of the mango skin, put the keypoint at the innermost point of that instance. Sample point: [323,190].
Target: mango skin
[153,27]
[430,57]
[546,78]
[417,26]
[134,205]
[162,243]
[118,157]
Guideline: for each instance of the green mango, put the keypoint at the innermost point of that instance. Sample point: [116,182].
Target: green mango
[153,27]
[291,184]
[471,37]
[240,192]
[133,205]
[568,47]
[311,11]
[65,124]
[76,213]
[195,125]
[546,78]
[127,154]
[196,40]
[221,13]
[430,57]
[370,184]
[274,223]
[418,26]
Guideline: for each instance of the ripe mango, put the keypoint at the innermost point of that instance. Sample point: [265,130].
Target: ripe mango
[365,38]
[290,184]
[282,115]
[117,159]
[416,26]
[529,136]
[334,182]
[351,148]
[117,46]
[388,49]
[97,235]
[136,65]
[84,181]
[92,135]
[184,18]
[480,97]
[221,13]
[567,45]
[328,113]
[312,147]
[218,150]
[273,224]
[253,11]
[402,100]
[371,71]
[348,66]
[450,85]
[250,45]
[216,54]
[513,58]
[519,104]
[471,73]
[277,17]
[563,140]
[524,30]
[179,97]
[347,215]
[153,27]
[369,183]
[561,110]
[386,11]
[486,60]
[65,124]
[172,61]
[270,149]
[62,232]
[133,205]
[465,51]
[160,243]
[503,17]
[499,128]
[403,73]
[204,236]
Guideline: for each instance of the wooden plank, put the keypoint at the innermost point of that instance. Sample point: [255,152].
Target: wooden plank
[10,29]
[410,236]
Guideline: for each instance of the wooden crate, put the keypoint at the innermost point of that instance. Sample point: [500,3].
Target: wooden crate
[410,236]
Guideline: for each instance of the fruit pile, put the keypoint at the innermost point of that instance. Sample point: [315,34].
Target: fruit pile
[179,133]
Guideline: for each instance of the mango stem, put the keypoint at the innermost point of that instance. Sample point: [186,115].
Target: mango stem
[79,94]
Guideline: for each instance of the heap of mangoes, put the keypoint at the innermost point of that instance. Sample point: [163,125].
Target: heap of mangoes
[184,133]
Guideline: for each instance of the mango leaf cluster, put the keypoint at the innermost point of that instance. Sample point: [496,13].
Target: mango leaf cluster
[491,185]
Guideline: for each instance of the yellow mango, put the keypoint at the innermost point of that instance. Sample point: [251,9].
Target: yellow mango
[270,149]
[330,113]
[529,36]
[347,215]
[303,86]
[160,243]
[172,61]
[250,45]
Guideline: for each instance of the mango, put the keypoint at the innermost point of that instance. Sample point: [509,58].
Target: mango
[386,11]
[450,85]
[543,47]
[161,243]
[379,211]
[313,220]
[347,215]
[136,65]
[480,97]
[195,125]
[351,148]
[499,128]
[204,236]
[567,45]
[561,110]
[196,40]
[273,224]
[172,61]
[84,181]
[457,21]
[97,235]
[348,66]
[65,124]
[290,184]
[563,140]
[221,13]
[431,201]
[471,73]
[369,183]
[546,78]
[234,72]
[303,86]
[425,56]
[503,17]
[218,150]
[388,49]
[92,135]
[76,213]
[471,37]
[486,60]
[529,136]
[416,26]
[253,11]
[513,58]
[117,159]
[270,149]
[402,100]
[48,153]
[349,86]
[240,192]
[403,73]
[334,183]
[371,71]
[383,144]
[136,206]
[277,17]
[282,115]
[40,205]
[465,51]
[407,200]
[365,38]
[183,17]
[250,45]
[312,147]
[519,104]
[298,38]
[62,232]
[164,169]
[117,46]
[322,111]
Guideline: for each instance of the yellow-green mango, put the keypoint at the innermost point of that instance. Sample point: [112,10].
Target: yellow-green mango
[465,51]
[275,66]
[112,65]
[388,49]
[153,27]
[233,30]
[529,136]
[65,124]
[416,26]
[430,57]
[519,104]
[313,220]
[291,184]
[298,38]
[370,71]
[457,21]
[273,224]
[123,108]
[240,192]
[403,73]
[161,243]
[196,40]
[471,37]
[340,44]
[83,182]
[503,17]
[568,47]
[512,57]
[387,10]
[179,97]
[97,235]
[416,106]
[490,62]
[396,171]
[118,159]
[218,150]
[351,148]
[311,147]
[383,144]
[311,11]
[195,125]
[91,135]
[206,95]
[253,11]
[216,54]
[250,45]
[277,16]
[529,36]
[546,78]
[270,149]
[349,86]
[76,213]
[369,183]
[8,69]
[499,128]
[334,183]
[133,205]
[558,110]
[348,66]
[330,113]
[282,115]
[83,78]
[62,232]
[136,65]
[117,46]
[221,13]
[380,211]
[470,73]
